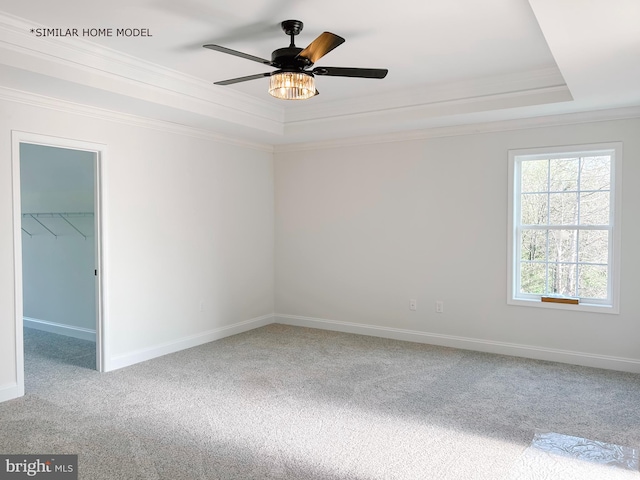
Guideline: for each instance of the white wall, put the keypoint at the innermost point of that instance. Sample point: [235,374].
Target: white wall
[59,282]
[58,272]
[360,230]
[187,219]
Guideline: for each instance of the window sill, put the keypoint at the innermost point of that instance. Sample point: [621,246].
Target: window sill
[582,307]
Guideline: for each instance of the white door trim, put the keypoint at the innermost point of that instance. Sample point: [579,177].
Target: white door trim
[18,137]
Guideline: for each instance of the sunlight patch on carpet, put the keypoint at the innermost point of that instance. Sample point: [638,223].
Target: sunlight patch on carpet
[347,442]
[563,457]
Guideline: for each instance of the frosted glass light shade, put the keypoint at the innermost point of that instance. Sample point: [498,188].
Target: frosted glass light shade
[292,86]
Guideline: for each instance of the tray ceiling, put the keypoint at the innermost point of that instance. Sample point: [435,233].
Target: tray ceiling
[450,63]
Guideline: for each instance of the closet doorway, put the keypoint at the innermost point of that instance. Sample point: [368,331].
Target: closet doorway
[58,252]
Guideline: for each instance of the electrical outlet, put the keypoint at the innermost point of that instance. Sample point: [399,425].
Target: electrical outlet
[439,306]
[413,305]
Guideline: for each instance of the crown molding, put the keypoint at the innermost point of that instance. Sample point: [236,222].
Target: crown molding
[591,116]
[513,84]
[421,117]
[41,101]
[160,98]
[81,61]
[84,52]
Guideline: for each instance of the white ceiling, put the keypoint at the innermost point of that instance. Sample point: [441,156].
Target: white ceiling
[450,62]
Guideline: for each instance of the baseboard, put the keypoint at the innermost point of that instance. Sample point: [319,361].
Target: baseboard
[128,359]
[502,348]
[60,329]
[9,392]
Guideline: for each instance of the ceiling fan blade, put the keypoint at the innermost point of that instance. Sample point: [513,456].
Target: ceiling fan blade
[238,54]
[243,79]
[351,72]
[322,45]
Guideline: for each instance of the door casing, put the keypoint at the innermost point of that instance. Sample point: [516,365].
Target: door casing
[100,150]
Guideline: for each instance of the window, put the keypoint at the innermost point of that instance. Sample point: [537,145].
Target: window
[564,226]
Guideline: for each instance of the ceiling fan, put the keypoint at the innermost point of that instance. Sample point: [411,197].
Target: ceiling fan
[294,78]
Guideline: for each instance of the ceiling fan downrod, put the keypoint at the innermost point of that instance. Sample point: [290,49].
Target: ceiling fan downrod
[292,28]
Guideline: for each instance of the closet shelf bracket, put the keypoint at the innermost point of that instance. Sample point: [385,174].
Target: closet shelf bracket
[43,225]
[73,226]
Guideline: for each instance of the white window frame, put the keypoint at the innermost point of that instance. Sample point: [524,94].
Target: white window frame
[514,297]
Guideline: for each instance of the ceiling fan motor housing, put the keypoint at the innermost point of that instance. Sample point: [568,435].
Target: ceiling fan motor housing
[288,59]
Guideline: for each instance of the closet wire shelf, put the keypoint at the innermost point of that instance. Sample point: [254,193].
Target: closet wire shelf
[58,224]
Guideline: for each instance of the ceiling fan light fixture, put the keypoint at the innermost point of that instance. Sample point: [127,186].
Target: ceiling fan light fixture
[292,86]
